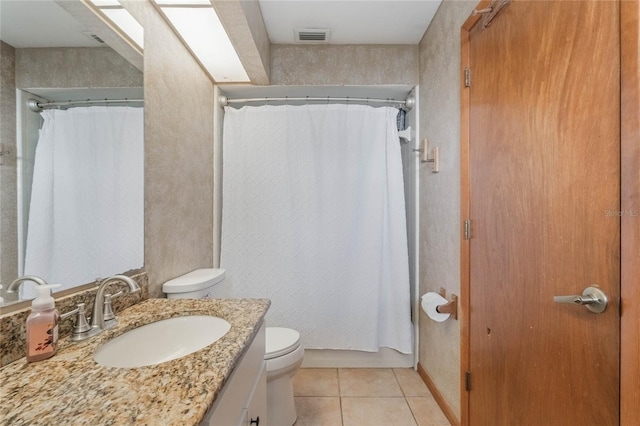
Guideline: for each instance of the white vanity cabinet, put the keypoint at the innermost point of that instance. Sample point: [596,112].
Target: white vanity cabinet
[243,399]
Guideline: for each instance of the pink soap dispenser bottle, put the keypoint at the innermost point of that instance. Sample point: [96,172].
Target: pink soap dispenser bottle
[42,326]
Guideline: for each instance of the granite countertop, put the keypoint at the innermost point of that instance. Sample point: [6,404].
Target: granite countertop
[72,389]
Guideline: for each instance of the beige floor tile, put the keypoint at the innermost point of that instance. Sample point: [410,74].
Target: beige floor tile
[376,411]
[316,382]
[318,411]
[410,382]
[427,412]
[368,382]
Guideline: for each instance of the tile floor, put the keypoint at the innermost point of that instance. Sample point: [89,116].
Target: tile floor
[364,397]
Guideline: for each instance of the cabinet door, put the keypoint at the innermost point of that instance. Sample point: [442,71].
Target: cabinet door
[231,406]
[256,411]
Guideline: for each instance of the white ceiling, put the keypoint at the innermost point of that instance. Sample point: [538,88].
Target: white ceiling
[350,21]
[42,23]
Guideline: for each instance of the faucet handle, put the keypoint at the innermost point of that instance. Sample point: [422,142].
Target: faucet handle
[81,326]
[107,308]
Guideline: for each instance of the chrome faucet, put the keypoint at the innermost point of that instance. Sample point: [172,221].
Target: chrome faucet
[13,287]
[97,317]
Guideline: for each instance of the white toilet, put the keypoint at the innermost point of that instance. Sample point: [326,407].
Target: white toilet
[283,354]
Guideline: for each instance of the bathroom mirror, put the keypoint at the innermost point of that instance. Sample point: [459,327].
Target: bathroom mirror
[58,51]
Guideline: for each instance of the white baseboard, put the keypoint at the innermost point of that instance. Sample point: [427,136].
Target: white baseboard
[328,358]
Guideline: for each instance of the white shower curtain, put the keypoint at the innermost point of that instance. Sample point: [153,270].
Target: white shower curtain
[314,219]
[86,211]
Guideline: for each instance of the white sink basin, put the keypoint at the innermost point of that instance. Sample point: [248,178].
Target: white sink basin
[161,341]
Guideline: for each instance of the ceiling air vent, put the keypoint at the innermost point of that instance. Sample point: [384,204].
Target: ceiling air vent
[94,36]
[312,35]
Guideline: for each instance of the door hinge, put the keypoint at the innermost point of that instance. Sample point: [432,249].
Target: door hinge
[467,77]
[467,229]
[467,381]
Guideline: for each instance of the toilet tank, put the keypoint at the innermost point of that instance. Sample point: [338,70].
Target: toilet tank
[198,284]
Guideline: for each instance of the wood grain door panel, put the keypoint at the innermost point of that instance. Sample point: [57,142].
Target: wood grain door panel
[544,158]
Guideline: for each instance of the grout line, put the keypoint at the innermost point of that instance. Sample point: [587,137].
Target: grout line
[340,397]
[415,419]
[404,396]
[399,384]
[372,397]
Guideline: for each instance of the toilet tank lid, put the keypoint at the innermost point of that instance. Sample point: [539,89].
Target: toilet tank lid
[194,280]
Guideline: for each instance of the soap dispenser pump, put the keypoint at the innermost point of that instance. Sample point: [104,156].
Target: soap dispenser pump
[42,325]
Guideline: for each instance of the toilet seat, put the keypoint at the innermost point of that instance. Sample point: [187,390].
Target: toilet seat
[280,341]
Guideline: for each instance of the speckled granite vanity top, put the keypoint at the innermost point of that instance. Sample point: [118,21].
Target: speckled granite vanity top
[72,389]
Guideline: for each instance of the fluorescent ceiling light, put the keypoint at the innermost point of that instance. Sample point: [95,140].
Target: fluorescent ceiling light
[182,2]
[127,23]
[102,3]
[202,31]
[121,18]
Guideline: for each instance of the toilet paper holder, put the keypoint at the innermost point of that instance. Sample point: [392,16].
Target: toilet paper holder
[448,308]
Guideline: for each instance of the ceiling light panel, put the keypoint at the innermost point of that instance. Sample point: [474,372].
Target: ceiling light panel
[103,3]
[113,11]
[183,2]
[127,23]
[202,31]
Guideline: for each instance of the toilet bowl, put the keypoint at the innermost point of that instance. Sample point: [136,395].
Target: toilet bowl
[283,354]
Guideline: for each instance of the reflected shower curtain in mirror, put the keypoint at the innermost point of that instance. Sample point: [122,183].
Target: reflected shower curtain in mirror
[86,210]
[313,218]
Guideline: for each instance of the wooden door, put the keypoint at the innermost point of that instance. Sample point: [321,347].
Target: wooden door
[544,173]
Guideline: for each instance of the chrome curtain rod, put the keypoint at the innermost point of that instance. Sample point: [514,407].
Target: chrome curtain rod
[409,103]
[36,106]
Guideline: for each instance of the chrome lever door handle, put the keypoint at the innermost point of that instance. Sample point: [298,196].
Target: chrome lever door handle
[593,298]
[578,300]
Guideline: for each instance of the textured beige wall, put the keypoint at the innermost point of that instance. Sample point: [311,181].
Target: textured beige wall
[94,24]
[440,193]
[338,65]
[74,67]
[178,154]
[8,176]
